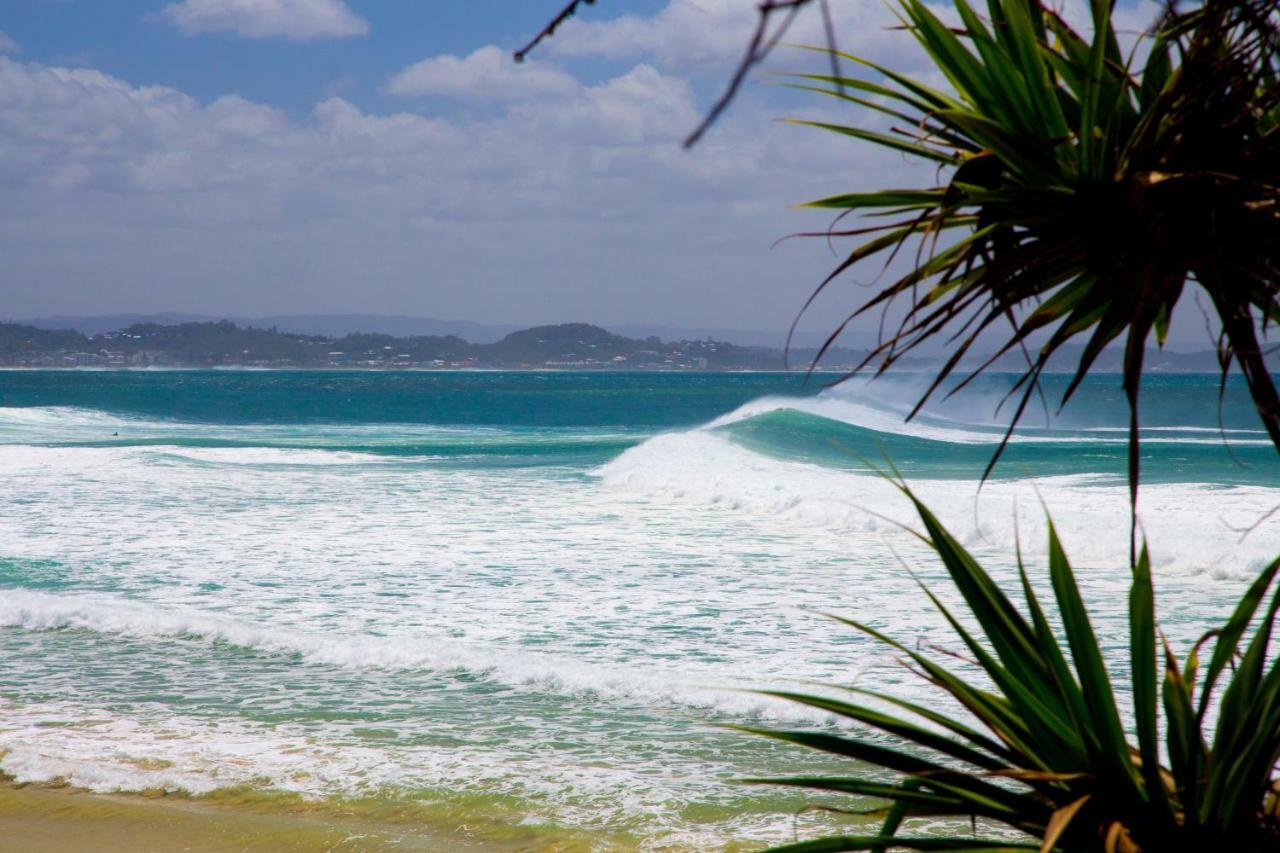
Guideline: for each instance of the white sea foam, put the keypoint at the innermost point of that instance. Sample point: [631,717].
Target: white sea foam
[106,750]
[113,615]
[269,443]
[603,612]
[858,407]
[61,418]
[272,456]
[702,468]
[852,411]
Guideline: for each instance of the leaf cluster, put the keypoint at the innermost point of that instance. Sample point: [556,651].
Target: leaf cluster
[1082,193]
[1042,750]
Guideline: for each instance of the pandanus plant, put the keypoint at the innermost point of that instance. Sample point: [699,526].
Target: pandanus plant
[1039,749]
[1082,193]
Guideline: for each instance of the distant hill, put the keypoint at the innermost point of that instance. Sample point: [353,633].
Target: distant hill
[207,344]
[19,340]
[772,338]
[567,345]
[337,325]
[333,325]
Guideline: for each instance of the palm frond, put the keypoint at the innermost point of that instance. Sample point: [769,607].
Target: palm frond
[1089,193]
[1044,758]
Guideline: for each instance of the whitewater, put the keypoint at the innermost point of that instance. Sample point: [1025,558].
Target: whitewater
[533,596]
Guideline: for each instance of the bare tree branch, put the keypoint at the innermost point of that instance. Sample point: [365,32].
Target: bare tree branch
[761,44]
[833,50]
[550,29]
[757,49]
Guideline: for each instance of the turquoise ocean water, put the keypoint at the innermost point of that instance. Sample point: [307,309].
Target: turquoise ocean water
[532,594]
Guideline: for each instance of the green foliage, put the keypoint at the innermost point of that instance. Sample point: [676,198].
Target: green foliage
[17,339]
[1081,194]
[225,342]
[202,344]
[1041,749]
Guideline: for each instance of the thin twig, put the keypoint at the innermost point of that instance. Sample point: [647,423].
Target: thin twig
[833,49]
[758,49]
[550,29]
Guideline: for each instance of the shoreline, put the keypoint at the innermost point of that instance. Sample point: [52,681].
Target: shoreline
[55,818]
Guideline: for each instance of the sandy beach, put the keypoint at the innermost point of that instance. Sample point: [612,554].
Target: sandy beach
[55,819]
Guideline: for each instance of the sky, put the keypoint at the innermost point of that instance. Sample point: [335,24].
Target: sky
[259,157]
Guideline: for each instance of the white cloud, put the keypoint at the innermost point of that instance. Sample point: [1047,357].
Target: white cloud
[712,34]
[487,74]
[575,204]
[639,107]
[581,205]
[7,44]
[685,32]
[298,20]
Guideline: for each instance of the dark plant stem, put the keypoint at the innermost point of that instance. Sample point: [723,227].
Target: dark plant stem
[1132,387]
[758,48]
[1241,330]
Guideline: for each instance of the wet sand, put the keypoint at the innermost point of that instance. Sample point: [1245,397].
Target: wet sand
[67,820]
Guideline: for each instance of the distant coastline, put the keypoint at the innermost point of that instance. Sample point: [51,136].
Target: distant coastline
[224,344]
[565,347]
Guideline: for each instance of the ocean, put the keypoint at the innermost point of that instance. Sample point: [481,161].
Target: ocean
[529,602]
